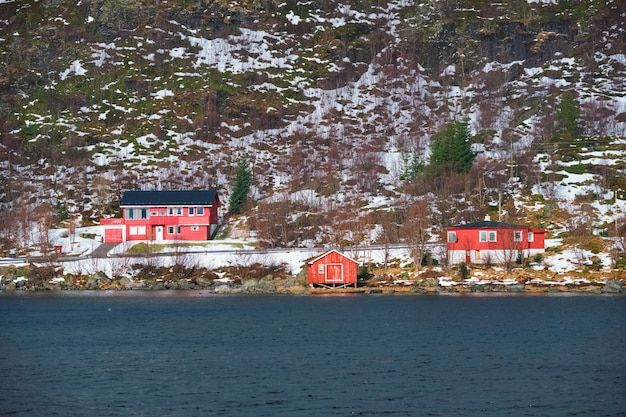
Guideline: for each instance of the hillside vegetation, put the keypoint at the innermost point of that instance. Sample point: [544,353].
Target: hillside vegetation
[337,106]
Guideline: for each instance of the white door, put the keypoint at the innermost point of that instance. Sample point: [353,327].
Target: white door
[159,233]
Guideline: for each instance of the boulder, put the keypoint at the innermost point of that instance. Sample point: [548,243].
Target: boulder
[613,287]
[204,283]
[126,283]
[264,285]
[223,289]
[515,288]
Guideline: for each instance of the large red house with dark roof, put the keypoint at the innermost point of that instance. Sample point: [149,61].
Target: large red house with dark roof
[164,215]
[493,242]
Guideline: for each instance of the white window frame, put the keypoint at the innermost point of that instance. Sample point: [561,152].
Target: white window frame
[199,211]
[320,268]
[130,213]
[170,230]
[190,211]
[518,236]
[493,236]
[143,214]
[132,230]
[531,236]
[177,230]
[195,228]
[170,211]
[452,237]
[179,211]
[482,236]
[141,230]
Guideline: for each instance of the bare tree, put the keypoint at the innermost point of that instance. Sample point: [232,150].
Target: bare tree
[415,230]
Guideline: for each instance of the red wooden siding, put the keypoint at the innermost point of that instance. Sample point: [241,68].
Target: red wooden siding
[332,269]
[175,227]
[163,222]
[493,242]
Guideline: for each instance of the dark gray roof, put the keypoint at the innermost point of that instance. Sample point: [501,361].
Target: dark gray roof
[488,224]
[169,198]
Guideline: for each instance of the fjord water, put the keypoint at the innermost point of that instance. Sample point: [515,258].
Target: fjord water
[196,354]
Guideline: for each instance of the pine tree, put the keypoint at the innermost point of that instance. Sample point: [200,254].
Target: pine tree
[451,149]
[411,167]
[568,113]
[241,188]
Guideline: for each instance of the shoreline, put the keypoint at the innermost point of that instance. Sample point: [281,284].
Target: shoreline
[267,286]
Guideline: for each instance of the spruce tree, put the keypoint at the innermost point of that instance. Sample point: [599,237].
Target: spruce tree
[451,149]
[241,187]
[568,113]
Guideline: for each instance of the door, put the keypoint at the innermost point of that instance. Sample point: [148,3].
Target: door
[334,273]
[158,235]
[113,235]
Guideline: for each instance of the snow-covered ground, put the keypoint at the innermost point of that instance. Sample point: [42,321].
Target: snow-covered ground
[216,254]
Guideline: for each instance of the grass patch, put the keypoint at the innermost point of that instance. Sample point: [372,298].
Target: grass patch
[578,169]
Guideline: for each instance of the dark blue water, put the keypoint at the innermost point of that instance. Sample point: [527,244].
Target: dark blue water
[195,354]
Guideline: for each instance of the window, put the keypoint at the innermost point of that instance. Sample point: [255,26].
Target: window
[161,213]
[531,236]
[179,211]
[130,213]
[190,211]
[137,230]
[194,228]
[177,230]
[452,237]
[487,236]
[154,213]
[143,213]
[200,211]
[170,211]
[320,268]
[517,236]
[170,230]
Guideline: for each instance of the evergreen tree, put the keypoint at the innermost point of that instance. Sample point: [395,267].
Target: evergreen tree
[411,167]
[451,149]
[241,188]
[568,113]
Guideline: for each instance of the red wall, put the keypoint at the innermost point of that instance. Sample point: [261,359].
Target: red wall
[315,276]
[182,224]
[468,239]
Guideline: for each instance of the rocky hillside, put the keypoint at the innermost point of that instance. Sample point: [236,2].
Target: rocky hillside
[335,103]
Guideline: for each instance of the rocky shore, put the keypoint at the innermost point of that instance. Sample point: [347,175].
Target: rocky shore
[295,285]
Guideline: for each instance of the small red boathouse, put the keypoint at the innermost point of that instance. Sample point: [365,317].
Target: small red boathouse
[332,270]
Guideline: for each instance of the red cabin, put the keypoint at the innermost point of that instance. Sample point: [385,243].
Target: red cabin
[493,242]
[332,269]
[164,215]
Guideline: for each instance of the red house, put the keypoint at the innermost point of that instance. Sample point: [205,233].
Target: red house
[332,269]
[493,242]
[164,215]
